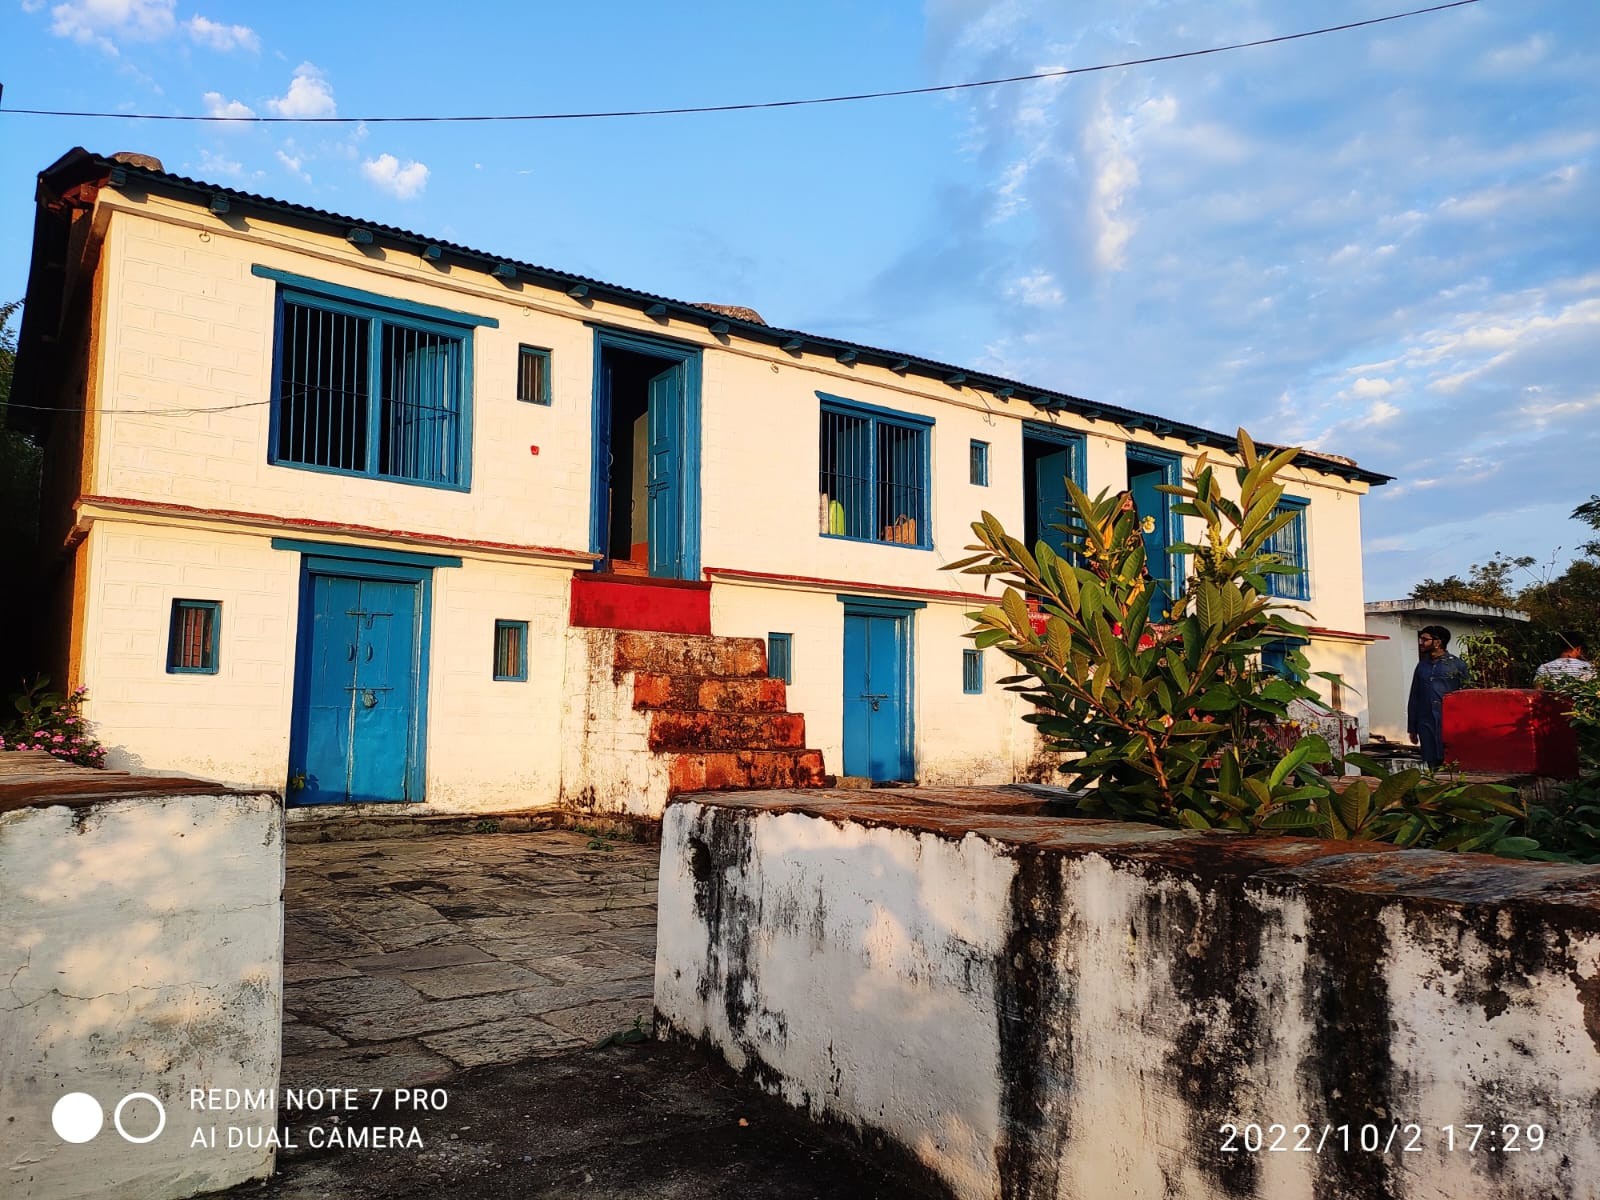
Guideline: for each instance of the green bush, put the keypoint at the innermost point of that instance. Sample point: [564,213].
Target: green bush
[1173,721]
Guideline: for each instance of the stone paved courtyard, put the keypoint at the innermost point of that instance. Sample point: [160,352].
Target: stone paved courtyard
[407,959]
[489,965]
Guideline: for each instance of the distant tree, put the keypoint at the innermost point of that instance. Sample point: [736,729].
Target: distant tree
[20,457]
[1568,601]
[1493,583]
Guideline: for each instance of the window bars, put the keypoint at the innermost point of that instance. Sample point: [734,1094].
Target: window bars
[873,481]
[368,394]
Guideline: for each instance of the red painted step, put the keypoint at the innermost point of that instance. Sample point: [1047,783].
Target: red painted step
[745,770]
[707,731]
[605,601]
[706,657]
[693,693]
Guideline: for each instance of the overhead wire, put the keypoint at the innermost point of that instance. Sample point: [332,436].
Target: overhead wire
[689,110]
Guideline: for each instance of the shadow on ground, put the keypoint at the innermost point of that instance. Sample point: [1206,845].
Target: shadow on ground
[652,1120]
[486,966]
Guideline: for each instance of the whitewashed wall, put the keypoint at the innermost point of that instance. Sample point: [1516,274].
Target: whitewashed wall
[141,950]
[491,745]
[1039,1007]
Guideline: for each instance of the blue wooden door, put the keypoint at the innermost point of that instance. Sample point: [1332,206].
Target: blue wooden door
[665,479]
[877,718]
[1050,473]
[360,691]
[1148,502]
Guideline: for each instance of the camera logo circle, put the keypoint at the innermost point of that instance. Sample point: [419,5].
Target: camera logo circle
[161,1118]
[78,1118]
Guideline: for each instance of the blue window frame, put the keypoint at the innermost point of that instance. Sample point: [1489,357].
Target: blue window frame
[972,672]
[367,385]
[1289,544]
[193,637]
[979,468]
[780,656]
[1275,657]
[511,651]
[533,375]
[874,470]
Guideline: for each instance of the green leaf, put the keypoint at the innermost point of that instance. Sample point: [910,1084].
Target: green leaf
[1193,819]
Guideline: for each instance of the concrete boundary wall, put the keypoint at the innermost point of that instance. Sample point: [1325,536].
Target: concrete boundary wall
[1054,1008]
[141,951]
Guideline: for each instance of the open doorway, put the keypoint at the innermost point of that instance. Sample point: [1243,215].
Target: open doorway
[646,507]
[1050,456]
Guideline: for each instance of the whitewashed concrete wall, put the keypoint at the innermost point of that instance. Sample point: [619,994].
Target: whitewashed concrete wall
[141,950]
[1074,1010]
[606,762]
[491,745]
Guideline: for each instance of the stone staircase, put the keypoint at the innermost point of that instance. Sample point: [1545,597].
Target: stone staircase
[714,714]
[667,713]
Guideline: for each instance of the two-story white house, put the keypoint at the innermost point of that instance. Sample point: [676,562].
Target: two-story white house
[342,508]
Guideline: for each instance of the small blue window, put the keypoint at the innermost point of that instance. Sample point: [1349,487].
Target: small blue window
[511,651]
[1289,544]
[780,656]
[1275,657]
[193,637]
[533,375]
[972,672]
[980,464]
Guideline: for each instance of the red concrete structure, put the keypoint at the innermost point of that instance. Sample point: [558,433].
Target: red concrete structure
[604,601]
[1512,731]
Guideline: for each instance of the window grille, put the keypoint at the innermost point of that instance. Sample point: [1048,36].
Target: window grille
[369,393]
[873,483]
[972,672]
[979,467]
[1289,545]
[533,375]
[192,637]
[511,651]
[780,656]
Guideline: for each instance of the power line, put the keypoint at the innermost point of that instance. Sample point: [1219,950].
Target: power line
[749,107]
[141,412]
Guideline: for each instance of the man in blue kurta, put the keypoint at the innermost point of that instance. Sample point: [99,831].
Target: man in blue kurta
[1438,674]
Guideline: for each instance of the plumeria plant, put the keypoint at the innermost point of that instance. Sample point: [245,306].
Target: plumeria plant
[1173,720]
[54,723]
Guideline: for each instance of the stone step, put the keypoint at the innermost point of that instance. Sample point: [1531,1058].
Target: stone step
[697,694]
[745,770]
[697,731]
[706,656]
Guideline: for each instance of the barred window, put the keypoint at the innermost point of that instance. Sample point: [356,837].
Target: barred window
[367,392]
[1289,544]
[533,375]
[192,637]
[873,483]
[511,651]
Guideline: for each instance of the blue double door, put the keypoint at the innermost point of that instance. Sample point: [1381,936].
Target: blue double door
[357,734]
[878,731]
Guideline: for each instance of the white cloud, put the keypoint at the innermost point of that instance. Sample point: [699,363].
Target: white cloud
[1109,145]
[217,164]
[222,37]
[1038,288]
[402,180]
[293,164]
[1362,388]
[309,95]
[101,22]
[217,105]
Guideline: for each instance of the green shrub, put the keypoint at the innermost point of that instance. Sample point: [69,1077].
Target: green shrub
[1173,721]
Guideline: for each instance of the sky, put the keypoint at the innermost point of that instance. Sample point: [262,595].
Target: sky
[1383,242]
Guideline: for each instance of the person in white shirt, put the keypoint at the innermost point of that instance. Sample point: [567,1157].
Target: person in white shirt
[1571,663]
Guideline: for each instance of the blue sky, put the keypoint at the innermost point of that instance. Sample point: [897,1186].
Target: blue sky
[1384,243]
